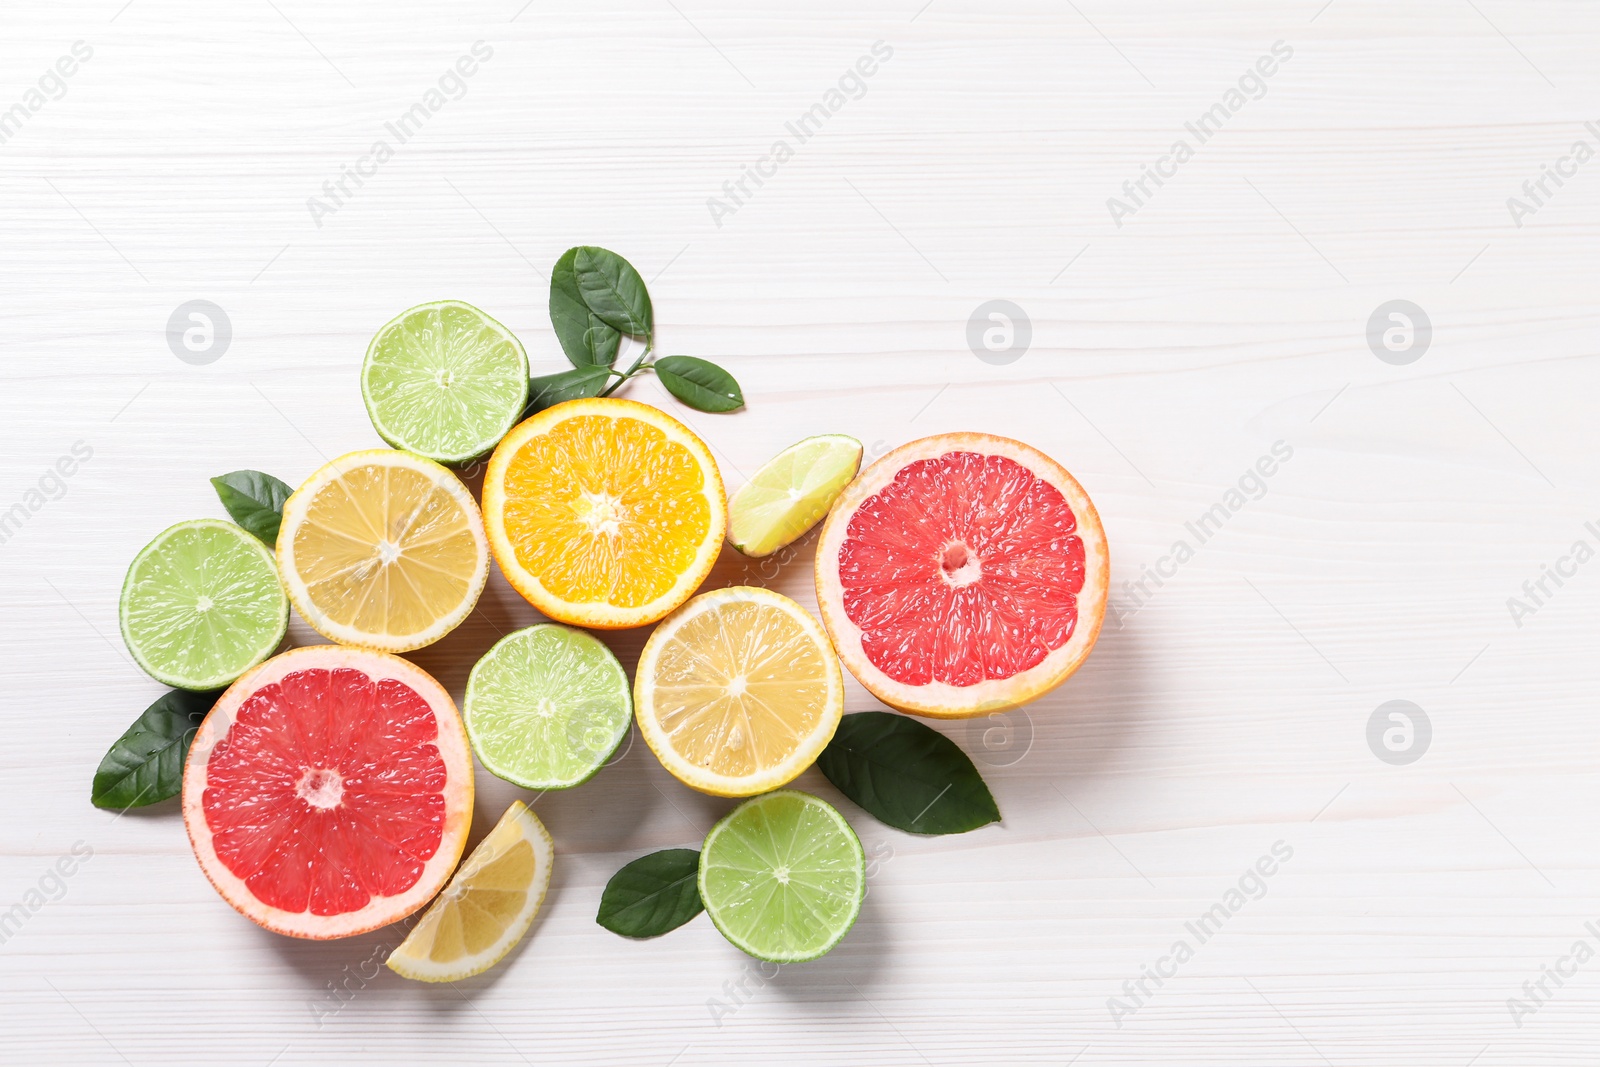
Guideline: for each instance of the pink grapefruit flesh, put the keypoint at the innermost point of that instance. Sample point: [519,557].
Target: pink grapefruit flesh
[962,574]
[329,792]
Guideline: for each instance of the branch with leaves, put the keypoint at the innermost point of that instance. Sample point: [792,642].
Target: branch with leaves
[597,298]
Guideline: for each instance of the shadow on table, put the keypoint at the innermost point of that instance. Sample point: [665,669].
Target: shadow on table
[338,977]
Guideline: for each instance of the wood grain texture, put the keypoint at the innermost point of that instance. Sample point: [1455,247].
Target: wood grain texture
[1226,714]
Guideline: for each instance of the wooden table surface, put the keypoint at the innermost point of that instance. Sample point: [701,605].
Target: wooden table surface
[1303,163]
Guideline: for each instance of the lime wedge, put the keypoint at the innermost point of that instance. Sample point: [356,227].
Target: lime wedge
[202,604]
[547,706]
[445,381]
[783,876]
[791,493]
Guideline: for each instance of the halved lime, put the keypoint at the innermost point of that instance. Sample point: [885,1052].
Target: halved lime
[445,381]
[547,706]
[791,493]
[202,604]
[783,876]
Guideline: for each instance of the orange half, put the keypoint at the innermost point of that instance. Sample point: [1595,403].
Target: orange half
[604,513]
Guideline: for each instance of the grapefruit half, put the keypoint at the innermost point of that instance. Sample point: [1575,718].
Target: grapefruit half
[962,575]
[329,792]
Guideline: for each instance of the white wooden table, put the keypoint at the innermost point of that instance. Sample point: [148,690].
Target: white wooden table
[1226,709]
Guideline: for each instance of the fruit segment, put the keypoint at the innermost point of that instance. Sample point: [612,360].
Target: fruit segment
[488,906]
[791,493]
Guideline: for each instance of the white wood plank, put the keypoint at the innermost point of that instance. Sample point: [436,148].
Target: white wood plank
[1226,714]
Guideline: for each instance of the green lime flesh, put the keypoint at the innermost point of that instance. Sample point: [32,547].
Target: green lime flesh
[445,381]
[202,604]
[791,493]
[547,706]
[783,876]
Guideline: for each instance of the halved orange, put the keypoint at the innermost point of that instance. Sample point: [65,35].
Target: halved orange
[604,513]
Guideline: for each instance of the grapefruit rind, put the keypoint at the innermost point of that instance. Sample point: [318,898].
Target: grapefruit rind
[597,615]
[459,792]
[940,700]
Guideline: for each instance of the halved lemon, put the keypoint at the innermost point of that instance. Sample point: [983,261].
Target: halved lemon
[604,513]
[384,550]
[486,908]
[738,691]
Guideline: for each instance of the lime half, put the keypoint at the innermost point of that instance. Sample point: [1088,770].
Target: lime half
[202,604]
[547,706]
[444,381]
[791,493]
[783,876]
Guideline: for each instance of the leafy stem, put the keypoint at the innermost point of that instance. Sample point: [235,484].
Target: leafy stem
[637,366]
[596,299]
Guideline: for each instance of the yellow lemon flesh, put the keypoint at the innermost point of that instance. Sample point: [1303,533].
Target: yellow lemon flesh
[384,550]
[738,691]
[487,907]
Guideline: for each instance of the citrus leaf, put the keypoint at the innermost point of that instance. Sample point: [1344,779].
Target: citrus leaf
[653,894]
[551,389]
[610,288]
[254,501]
[586,339]
[906,774]
[703,386]
[146,763]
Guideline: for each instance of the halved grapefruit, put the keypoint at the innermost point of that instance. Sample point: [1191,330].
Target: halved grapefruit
[962,574]
[329,792]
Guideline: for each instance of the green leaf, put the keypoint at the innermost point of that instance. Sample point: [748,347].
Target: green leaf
[653,894]
[146,763]
[255,501]
[586,339]
[703,386]
[611,289]
[908,775]
[552,389]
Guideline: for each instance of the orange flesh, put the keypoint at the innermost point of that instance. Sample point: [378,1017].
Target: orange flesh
[605,510]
